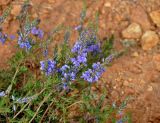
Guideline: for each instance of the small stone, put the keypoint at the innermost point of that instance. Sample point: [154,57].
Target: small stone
[130,79]
[155,16]
[107,4]
[133,31]
[142,82]
[114,87]
[135,54]
[149,40]
[16,10]
[150,88]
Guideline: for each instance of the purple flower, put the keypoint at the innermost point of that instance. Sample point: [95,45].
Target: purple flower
[64,67]
[34,31]
[12,37]
[3,37]
[94,48]
[72,75]
[87,43]
[49,67]
[79,27]
[75,62]
[92,75]
[77,47]
[68,73]
[38,32]
[24,44]
[82,58]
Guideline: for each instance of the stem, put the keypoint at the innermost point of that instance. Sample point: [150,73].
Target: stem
[27,104]
[74,104]
[40,107]
[12,82]
[46,111]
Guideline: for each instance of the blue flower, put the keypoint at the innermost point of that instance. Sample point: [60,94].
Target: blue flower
[2,94]
[79,27]
[77,47]
[68,73]
[3,37]
[49,67]
[92,75]
[64,68]
[73,75]
[24,44]
[87,43]
[34,31]
[82,58]
[94,48]
[12,37]
[75,62]
[38,32]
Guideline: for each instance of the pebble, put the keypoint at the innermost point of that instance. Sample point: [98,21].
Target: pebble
[133,31]
[135,54]
[107,4]
[150,88]
[155,16]
[149,40]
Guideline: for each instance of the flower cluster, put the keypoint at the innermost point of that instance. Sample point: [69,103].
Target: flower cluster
[24,43]
[48,66]
[92,75]
[68,73]
[80,59]
[37,32]
[86,44]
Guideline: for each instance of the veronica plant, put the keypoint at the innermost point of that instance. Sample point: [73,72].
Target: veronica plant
[44,87]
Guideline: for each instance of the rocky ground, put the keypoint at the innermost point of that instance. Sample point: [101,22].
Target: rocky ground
[137,73]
